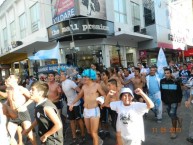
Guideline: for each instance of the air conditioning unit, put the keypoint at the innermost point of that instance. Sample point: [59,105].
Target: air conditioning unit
[16,43]
[143,31]
[34,26]
[137,28]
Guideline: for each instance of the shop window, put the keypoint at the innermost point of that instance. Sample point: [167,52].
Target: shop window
[149,12]
[22,23]
[35,17]
[13,31]
[5,38]
[130,59]
[120,14]
[135,12]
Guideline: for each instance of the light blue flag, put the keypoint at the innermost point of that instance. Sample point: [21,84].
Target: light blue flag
[47,54]
[161,63]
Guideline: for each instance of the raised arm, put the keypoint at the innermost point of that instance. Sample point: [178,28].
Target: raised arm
[148,101]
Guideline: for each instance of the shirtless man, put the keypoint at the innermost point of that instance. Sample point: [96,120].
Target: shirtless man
[90,91]
[138,82]
[17,99]
[55,90]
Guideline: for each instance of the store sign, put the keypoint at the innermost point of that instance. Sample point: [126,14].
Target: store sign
[54,68]
[62,10]
[80,26]
[65,9]
[176,38]
[142,54]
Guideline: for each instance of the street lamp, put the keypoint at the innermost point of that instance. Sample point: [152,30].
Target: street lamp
[72,44]
[118,51]
[35,68]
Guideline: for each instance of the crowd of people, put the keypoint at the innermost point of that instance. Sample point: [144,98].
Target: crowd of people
[96,100]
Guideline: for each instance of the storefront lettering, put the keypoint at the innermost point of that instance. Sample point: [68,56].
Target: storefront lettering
[78,26]
[176,38]
[43,69]
[95,27]
[64,16]
[72,27]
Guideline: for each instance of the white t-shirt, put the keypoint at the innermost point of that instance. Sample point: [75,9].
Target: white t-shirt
[130,119]
[3,130]
[130,85]
[68,87]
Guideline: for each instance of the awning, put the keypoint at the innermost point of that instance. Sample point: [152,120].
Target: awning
[130,36]
[12,57]
[188,52]
[21,52]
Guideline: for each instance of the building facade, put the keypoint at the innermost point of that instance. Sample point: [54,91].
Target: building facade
[118,32]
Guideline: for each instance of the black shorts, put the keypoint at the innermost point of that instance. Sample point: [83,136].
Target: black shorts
[75,114]
[104,115]
[22,116]
[113,115]
[59,104]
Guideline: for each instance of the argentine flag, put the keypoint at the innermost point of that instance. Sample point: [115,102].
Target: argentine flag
[161,63]
[47,54]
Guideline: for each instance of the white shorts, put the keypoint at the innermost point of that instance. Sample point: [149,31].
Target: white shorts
[89,113]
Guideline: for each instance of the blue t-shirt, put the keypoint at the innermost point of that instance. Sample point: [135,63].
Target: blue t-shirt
[153,85]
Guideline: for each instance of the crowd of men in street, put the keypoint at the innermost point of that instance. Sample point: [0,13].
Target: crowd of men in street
[119,97]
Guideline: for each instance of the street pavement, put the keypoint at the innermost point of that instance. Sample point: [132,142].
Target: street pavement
[155,133]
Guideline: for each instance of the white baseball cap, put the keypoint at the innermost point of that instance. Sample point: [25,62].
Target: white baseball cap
[126,90]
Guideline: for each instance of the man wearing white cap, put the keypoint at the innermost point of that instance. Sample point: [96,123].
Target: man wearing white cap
[130,126]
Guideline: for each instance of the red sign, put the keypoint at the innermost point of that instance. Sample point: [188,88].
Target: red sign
[188,52]
[64,5]
[142,54]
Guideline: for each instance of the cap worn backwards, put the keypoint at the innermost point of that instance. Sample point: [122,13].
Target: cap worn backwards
[90,73]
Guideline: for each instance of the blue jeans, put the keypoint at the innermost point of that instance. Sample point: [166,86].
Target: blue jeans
[156,99]
[186,94]
[172,110]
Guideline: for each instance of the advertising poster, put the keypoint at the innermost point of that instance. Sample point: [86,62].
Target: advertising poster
[62,10]
[93,8]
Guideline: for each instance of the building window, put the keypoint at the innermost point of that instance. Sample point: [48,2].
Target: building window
[5,38]
[149,12]
[22,23]
[135,12]
[120,11]
[35,17]
[13,31]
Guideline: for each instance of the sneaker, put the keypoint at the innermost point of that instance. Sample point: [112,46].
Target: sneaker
[74,142]
[173,136]
[159,120]
[101,134]
[100,141]
[82,140]
[189,139]
[77,131]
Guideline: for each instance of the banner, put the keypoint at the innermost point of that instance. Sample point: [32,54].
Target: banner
[47,54]
[93,8]
[62,10]
[161,62]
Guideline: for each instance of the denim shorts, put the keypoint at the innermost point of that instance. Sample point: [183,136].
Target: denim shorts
[172,110]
